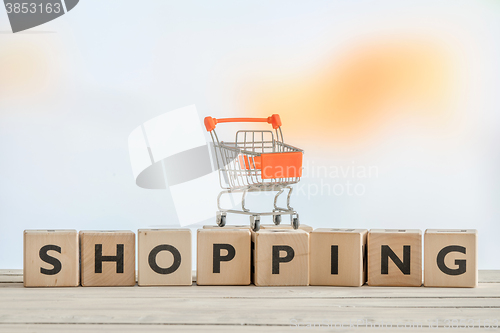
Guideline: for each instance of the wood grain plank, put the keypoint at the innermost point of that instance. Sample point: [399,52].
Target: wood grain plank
[236,312]
[187,328]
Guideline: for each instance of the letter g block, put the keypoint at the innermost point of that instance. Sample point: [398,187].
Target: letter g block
[450,258]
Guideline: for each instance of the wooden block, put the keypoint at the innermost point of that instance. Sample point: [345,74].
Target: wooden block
[223,257]
[51,258]
[395,257]
[286,226]
[450,258]
[337,257]
[164,257]
[107,258]
[281,257]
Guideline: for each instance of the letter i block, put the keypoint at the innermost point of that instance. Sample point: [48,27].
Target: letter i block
[395,258]
[223,257]
[164,257]
[450,258]
[337,257]
[107,258]
[281,257]
[51,258]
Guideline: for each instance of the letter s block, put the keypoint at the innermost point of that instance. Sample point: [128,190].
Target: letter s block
[51,258]
[281,257]
[164,257]
[395,258]
[223,257]
[107,258]
[450,258]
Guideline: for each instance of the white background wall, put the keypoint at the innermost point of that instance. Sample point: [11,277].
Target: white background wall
[73,89]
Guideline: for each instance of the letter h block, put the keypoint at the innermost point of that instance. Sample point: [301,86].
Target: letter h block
[223,257]
[164,257]
[450,258]
[51,258]
[395,258]
[281,257]
[107,258]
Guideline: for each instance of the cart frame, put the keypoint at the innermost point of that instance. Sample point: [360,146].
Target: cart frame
[255,162]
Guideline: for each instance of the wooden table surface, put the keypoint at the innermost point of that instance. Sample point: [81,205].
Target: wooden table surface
[248,308]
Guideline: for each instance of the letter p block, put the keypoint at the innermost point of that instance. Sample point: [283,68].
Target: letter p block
[395,257]
[281,257]
[223,257]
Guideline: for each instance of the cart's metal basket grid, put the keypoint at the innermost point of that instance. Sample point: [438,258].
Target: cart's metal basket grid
[256,161]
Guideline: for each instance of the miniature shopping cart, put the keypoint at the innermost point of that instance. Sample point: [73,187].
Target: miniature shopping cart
[256,161]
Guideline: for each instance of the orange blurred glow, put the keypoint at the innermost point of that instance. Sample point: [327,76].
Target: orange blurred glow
[353,95]
[24,70]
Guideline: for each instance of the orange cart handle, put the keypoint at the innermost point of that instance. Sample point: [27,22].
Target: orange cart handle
[273,120]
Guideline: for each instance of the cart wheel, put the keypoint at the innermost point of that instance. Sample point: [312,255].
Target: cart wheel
[295,223]
[221,219]
[255,223]
[277,219]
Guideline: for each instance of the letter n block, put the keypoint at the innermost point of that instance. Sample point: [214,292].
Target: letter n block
[395,258]
[164,257]
[223,257]
[450,258]
[107,258]
[337,257]
[51,258]
[281,257]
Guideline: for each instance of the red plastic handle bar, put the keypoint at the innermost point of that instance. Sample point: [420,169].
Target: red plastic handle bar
[273,120]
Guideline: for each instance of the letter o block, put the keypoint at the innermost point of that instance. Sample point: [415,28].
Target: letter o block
[51,258]
[395,258]
[107,258]
[450,258]
[164,257]
[223,257]
[281,257]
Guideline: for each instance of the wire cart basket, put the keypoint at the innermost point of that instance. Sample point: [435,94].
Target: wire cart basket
[256,161]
